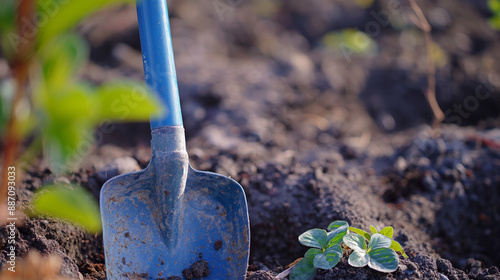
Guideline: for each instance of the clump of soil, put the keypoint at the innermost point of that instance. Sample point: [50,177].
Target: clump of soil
[420,266]
[446,186]
[218,245]
[197,270]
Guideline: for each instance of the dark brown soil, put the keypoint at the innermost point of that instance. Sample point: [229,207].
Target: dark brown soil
[313,137]
[198,270]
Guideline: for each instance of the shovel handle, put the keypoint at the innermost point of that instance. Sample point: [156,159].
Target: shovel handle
[158,59]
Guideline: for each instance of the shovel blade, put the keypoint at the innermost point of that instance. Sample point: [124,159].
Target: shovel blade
[214,228]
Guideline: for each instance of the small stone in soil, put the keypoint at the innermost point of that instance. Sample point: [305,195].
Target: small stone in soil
[116,167]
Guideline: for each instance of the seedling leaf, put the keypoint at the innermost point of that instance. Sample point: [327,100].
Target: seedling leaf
[329,259]
[379,241]
[316,238]
[358,259]
[387,231]
[311,253]
[76,206]
[361,232]
[383,260]
[355,242]
[304,269]
[335,237]
[373,229]
[337,224]
[397,247]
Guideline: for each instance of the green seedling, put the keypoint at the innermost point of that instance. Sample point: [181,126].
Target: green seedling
[326,252]
[377,255]
[387,231]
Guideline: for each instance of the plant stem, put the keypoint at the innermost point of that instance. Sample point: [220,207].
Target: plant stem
[20,70]
[431,68]
[284,274]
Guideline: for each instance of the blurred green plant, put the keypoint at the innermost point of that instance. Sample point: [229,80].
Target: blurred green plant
[327,251]
[79,206]
[350,41]
[44,103]
[364,3]
[494,6]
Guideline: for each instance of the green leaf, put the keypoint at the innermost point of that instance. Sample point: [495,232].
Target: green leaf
[8,32]
[495,22]
[355,242]
[373,229]
[311,253]
[62,58]
[379,241]
[397,247]
[127,101]
[316,238]
[383,260]
[350,41]
[66,143]
[329,259]
[337,224]
[335,237]
[387,231]
[494,6]
[63,15]
[7,15]
[67,124]
[76,206]
[304,269]
[74,103]
[358,259]
[361,232]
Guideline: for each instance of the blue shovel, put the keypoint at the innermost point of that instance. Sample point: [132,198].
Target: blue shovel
[160,221]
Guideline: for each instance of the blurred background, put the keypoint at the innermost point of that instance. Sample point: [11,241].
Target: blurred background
[349,66]
[273,63]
